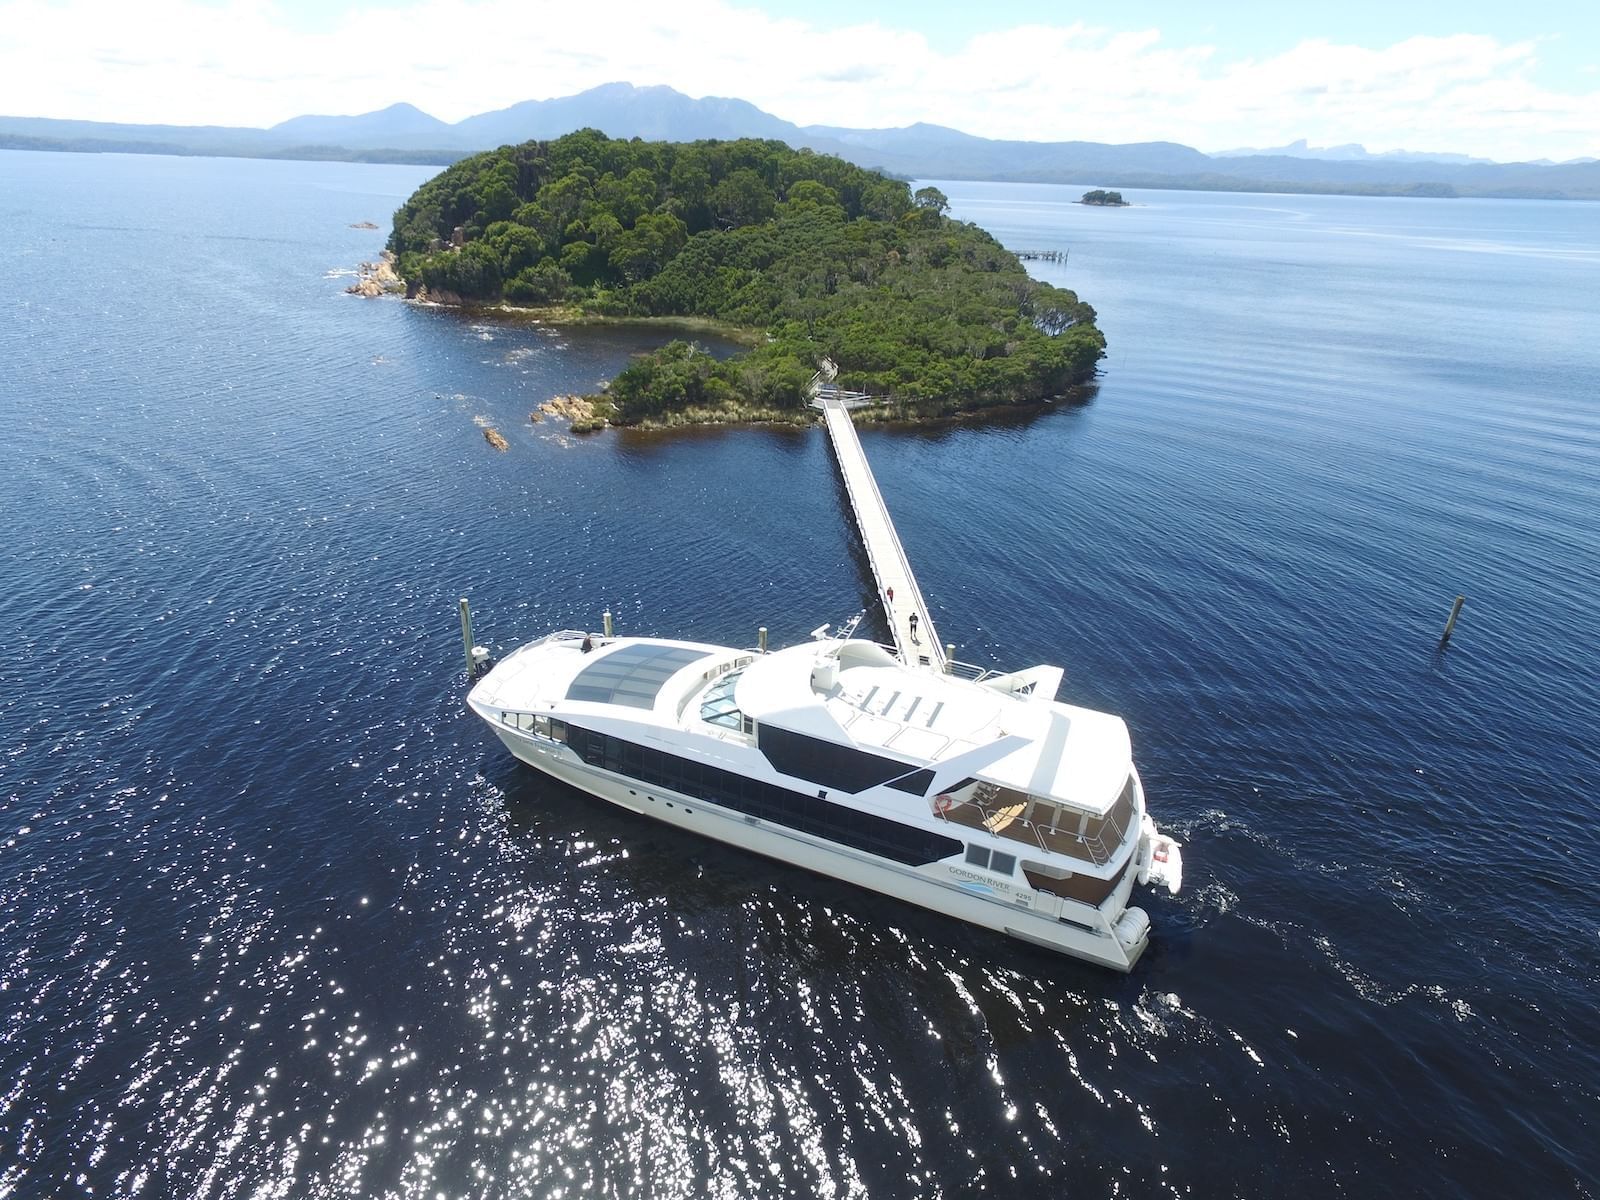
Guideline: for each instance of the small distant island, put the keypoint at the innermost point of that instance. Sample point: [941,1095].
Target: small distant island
[1101,199]
[802,256]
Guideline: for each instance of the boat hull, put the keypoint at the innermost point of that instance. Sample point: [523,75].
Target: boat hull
[935,887]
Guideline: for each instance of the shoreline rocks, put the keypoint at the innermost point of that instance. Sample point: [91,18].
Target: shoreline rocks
[575,410]
[423,296]
[378,278]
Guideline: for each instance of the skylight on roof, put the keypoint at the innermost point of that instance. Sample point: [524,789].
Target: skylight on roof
[633,675]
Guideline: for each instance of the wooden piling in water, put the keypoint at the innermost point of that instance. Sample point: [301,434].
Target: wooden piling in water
[1450,625]
[466,635]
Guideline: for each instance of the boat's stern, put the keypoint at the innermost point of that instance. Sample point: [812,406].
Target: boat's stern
[1160,858]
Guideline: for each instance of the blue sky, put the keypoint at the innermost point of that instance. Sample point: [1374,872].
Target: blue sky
[1498,80]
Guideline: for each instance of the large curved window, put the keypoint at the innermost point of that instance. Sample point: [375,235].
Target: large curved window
[717,706]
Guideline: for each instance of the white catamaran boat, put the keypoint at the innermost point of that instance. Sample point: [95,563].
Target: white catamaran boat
[973,794]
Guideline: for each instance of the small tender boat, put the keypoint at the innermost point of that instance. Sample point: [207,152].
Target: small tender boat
[966,792]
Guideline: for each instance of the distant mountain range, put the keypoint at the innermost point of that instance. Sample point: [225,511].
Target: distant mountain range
[404,133]
[1349,152]
[1354,152]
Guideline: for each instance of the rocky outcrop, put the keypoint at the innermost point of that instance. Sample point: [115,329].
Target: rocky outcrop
[496,439]
[378,278]
[569,408]
[575,410]
[423,295]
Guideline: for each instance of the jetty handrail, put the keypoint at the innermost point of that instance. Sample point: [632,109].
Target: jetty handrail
[854,468]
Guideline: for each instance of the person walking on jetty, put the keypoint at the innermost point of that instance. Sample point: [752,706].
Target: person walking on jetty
[912,621]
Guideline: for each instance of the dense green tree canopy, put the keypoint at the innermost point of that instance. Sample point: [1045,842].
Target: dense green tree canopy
[827,258]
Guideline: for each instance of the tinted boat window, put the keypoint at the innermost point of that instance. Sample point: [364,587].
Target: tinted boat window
[757,798]
[829,765]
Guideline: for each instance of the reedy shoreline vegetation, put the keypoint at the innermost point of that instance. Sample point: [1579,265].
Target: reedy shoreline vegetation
[826,258]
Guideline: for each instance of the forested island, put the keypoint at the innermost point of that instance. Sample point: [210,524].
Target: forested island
[823,258]
[1103,199]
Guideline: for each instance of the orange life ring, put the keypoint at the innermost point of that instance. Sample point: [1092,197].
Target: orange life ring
[944,803]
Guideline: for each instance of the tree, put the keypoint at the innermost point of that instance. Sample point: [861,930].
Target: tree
[517,245]
[689,188]
[914,306]
[743,198]
[810,196]
[885,200]
[496,193]
[474,270]
[539,285]
[643,250]
[566,198]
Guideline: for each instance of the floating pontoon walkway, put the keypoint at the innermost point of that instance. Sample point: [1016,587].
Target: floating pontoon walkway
[897,586]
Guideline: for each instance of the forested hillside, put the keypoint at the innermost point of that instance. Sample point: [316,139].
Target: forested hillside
[825,257]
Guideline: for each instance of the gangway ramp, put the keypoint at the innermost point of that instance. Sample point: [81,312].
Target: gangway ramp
[898,592]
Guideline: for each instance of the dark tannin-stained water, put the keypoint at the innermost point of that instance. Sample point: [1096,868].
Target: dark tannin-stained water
[280,918]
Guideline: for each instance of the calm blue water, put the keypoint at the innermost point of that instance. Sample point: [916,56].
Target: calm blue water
[279,918]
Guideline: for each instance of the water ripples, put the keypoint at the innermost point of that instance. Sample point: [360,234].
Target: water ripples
[282,920]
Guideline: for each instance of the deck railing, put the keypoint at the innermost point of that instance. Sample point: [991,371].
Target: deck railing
[1002,813]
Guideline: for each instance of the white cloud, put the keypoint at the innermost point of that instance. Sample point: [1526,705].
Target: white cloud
[244,62]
